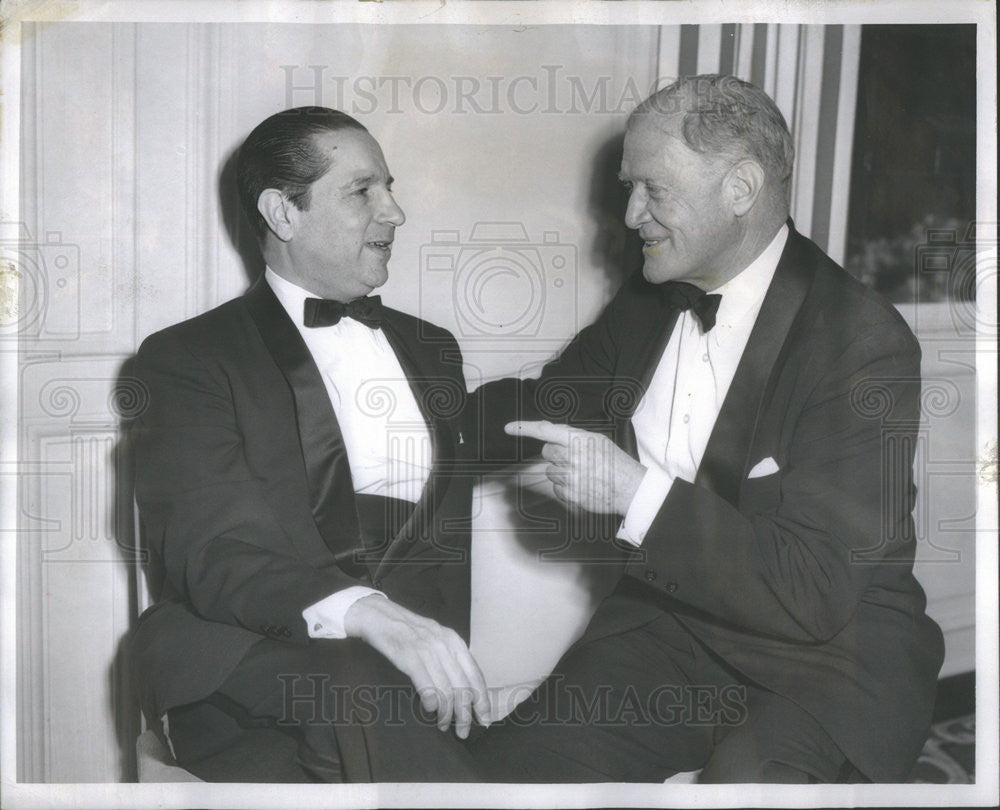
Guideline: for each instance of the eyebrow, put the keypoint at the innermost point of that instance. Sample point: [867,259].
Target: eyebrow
[367,180]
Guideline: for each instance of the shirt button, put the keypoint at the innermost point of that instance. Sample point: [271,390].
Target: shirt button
[687,418]
[705,357]
[650,575]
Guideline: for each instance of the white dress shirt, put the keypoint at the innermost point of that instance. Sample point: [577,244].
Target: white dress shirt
[388,443]
[676,415]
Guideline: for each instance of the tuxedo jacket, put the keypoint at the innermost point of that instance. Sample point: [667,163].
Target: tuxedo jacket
[801,580]
[246,499]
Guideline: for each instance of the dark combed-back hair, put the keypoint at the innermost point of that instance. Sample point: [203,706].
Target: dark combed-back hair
[282,153]
[727,116]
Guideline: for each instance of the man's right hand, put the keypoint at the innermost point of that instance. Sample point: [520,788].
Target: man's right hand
[437,661]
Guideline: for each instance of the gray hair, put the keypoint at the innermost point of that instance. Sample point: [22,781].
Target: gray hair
[727,116]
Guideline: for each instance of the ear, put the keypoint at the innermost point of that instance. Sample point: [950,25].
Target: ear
[745,183]
[277,213]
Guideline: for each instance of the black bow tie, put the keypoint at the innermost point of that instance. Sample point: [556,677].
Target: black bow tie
[322,312]
[683,296]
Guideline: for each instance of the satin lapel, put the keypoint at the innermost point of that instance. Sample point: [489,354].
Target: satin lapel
[639,366]
[331,492]
[424,379]
[724,465]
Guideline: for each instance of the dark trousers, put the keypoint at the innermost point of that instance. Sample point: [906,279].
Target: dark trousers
[332,711]
[642,705]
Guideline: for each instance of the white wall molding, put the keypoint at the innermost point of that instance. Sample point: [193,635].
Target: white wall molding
[124,199]
[30,626]
[806,123]
[840,188]
[668,54]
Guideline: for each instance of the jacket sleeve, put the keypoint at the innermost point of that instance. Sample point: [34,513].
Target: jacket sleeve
[797,570]
[576,387]
[205,512]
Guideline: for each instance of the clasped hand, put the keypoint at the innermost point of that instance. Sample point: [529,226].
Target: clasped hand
[435,659]
[587,470]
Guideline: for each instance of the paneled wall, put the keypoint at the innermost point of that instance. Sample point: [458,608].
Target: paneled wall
[505,142]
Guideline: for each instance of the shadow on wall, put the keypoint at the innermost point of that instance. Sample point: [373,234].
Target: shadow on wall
[236,225]
[615,248]
[553,534]
[131,399]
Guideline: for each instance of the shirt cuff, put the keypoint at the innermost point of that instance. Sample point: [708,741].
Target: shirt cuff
[325,618]
[648,499]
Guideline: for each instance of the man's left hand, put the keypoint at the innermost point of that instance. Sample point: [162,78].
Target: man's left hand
[587,469]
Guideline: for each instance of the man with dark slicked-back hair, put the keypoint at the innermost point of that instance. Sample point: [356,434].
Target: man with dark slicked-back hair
[747,411]
[293,479]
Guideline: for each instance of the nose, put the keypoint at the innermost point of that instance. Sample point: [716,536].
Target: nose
[636,212]
[390,211]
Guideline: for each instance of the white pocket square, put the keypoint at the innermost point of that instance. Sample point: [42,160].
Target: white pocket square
[766,467]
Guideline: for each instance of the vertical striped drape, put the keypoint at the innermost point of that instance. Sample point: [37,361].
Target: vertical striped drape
[811,71]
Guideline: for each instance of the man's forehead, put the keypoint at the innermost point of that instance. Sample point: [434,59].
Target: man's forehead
[352,152]
[337,140]
[651,136]
[656,125]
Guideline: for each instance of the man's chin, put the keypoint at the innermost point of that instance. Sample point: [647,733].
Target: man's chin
[376,278]
[655,272]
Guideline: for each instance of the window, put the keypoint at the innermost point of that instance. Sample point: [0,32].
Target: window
[913,179]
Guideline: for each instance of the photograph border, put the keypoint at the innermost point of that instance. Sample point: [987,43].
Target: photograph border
[544,12]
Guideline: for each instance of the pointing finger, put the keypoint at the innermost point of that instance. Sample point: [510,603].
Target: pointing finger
[543,431]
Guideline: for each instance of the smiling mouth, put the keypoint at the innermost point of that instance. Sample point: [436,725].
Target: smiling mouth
[382,247]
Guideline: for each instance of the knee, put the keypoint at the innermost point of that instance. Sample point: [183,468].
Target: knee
[744,768]
[749,758]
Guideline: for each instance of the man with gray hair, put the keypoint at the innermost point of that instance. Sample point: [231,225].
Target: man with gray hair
[745,412]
